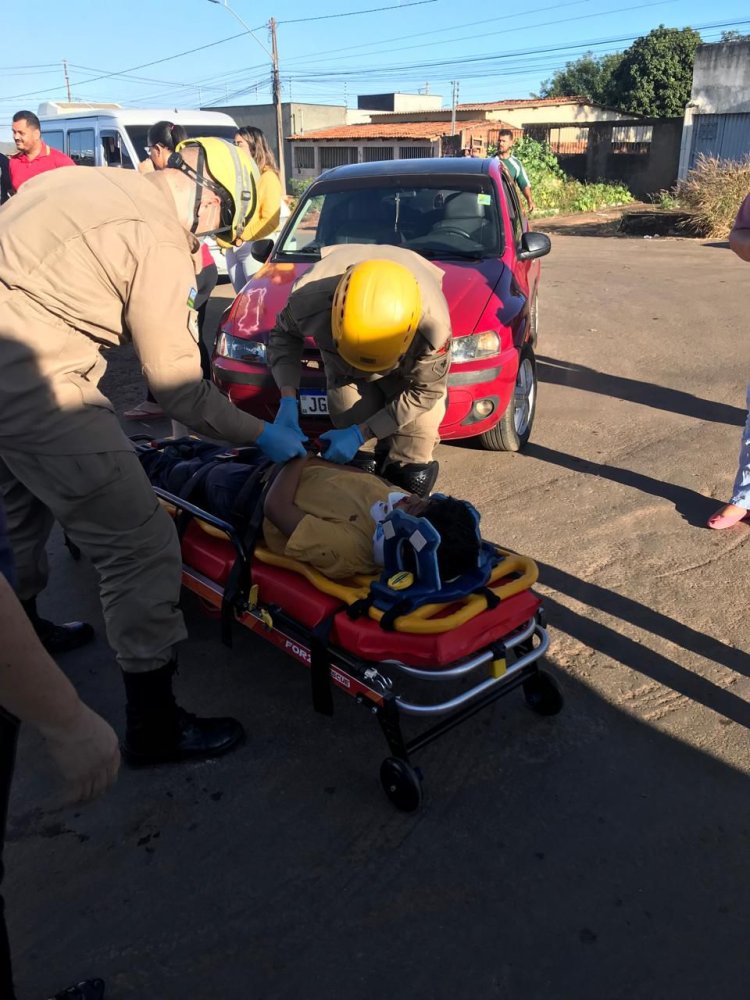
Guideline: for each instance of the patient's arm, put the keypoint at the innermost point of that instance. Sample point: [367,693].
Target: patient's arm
[279,506]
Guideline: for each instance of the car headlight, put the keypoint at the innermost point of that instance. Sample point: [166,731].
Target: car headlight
[239,349]
[475,347]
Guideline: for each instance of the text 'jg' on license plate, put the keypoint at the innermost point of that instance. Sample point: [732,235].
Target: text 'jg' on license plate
[313,404]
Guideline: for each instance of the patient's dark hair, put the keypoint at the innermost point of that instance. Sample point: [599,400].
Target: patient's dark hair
[166,134]
[458,551]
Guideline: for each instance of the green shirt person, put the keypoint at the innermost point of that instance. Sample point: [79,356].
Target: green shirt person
[514,166]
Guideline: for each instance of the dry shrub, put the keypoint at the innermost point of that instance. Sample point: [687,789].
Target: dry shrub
[713,191]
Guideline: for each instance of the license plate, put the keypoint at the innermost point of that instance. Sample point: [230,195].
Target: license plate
[313,404]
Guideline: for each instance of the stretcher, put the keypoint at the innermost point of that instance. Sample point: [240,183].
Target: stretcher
[439,664]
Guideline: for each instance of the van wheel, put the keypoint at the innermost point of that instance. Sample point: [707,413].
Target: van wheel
[513,430]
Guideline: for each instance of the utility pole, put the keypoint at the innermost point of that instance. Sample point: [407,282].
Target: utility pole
[277,103]
[67,79]
[453,107]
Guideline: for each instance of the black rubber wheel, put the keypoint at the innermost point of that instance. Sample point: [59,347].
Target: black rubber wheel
[401,783]
[543,694]
[513,429]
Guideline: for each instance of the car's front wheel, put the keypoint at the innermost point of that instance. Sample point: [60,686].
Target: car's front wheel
[513,429]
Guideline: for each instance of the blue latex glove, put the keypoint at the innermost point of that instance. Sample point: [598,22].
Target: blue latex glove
[288,414]
[280,443]
[342,445]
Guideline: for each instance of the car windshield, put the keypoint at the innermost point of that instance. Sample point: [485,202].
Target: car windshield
[433,219]
[139,134]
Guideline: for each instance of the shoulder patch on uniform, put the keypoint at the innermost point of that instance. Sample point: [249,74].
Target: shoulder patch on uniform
[191,298]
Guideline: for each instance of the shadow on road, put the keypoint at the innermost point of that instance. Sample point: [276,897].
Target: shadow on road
[694,507]
[638,657]
[660,397]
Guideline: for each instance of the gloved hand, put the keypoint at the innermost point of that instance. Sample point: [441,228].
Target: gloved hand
[280,443]
[86,753]
[288,414]
[343,444]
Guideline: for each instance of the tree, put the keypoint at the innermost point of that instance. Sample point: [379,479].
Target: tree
[588,76]
[655,75]
[733,36]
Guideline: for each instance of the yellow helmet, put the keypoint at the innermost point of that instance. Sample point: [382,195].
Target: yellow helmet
[376,310]
[231,173]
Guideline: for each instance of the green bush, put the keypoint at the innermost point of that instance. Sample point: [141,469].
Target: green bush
[297,187]
[556,194]
[713,191]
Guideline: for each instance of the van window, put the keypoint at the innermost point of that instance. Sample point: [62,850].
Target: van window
[139,134]
[55,139]
[114,150]
[81,147]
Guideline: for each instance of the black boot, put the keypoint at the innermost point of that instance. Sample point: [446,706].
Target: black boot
[367,461]
[158,730]
[58,638]
[413,478]
[87,989]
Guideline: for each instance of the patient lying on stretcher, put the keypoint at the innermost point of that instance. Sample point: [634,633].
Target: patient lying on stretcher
[330,516]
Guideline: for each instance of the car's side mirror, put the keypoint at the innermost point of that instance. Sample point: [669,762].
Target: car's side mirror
[533,245]
[261,250]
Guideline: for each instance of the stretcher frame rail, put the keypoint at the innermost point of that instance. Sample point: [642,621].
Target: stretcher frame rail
[371,683]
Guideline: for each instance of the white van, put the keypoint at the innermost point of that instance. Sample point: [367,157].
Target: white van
[108,135]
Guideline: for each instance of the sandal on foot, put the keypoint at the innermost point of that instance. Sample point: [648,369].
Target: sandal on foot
[145,411]
[721,520]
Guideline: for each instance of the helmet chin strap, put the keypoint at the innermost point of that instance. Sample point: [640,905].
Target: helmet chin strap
[198,176]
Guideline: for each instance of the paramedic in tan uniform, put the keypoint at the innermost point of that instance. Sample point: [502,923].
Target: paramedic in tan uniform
[381,322]
[89,259]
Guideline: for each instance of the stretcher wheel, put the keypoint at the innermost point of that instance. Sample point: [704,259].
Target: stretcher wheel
[401,783]
[543,694]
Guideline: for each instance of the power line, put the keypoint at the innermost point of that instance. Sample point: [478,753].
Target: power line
[436,31]
[354,13]
[540,24]
[423,67]
[131,69]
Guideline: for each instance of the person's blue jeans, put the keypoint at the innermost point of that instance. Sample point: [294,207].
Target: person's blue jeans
[741,490]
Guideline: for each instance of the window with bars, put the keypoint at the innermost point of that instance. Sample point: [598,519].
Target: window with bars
[337,156]
[304,157]
[632,139]
[414,152]
[371,154]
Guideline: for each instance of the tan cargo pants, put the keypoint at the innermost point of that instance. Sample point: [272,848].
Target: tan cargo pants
[106,505]
[412,444]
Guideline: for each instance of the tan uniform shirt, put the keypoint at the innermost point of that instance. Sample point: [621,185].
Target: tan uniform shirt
[424,367]
[89,259]
[336,534]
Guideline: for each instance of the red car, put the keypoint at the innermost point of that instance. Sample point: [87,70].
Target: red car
[462,214]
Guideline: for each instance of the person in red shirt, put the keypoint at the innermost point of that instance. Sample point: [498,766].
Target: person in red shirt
[34,156]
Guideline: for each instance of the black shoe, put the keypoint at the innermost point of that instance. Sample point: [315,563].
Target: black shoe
[158,730]
[87,989]
[58,639]
[191,738]
[414,478]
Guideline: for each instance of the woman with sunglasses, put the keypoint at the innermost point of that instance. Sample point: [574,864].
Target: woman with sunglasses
[163,139]
[272,209]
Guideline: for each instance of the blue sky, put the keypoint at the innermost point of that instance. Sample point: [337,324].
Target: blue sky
[328,52]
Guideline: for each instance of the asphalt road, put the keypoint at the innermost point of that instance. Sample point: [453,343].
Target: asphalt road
[598,855]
